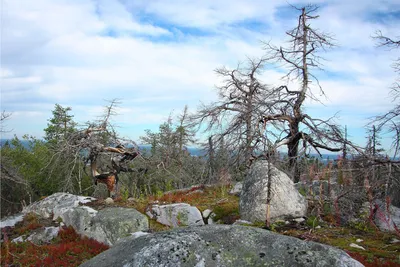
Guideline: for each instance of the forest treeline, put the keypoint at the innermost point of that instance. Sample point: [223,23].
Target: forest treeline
[249,121]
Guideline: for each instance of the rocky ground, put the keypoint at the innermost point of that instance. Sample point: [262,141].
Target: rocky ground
[363,242]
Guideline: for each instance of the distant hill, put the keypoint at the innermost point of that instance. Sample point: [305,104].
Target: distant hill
[195,151]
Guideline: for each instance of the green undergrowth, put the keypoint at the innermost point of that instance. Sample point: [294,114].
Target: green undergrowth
[379,247]
[216,198]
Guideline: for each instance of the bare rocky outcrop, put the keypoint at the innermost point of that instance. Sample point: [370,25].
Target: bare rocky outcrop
[107,226]
[220,245]
[55,205]
[286,201]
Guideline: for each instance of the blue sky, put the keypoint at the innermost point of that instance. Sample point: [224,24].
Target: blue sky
[158,56]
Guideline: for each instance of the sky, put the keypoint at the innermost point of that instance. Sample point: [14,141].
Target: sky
[158,56]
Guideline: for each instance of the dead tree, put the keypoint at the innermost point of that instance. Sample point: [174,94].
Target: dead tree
[234,118]
[3,117]
[301,58]
[100,139]
[391,120]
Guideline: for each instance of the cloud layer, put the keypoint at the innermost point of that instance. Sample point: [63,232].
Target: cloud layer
[157,56]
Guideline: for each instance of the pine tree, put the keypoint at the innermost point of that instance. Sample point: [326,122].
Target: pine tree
[60,125]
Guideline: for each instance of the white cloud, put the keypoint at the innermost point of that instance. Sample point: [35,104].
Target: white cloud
[158,56]
[117,18]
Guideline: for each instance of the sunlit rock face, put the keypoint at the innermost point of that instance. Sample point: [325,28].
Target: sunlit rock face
[219,245]
[286,201]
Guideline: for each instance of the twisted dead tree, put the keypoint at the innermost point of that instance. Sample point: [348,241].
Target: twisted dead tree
[100,139]
[301,57]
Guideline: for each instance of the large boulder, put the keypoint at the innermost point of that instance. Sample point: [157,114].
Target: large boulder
[55,205]
[286,201]
[219,245]
[108,225]
[175,215]
[386,218]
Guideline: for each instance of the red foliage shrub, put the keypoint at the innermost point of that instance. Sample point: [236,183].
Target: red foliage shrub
[27,228]
[70,249]
[372,262]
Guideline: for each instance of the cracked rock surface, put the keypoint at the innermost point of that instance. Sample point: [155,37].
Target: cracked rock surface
[220,245]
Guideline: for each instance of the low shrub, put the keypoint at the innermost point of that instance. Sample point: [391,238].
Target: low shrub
[68,249]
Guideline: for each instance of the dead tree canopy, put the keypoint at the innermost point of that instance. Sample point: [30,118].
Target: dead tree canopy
[301,58]
[390,121]
[234,118]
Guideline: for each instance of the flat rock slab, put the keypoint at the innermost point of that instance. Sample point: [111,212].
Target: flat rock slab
[108,225]
[219,245]
[56,204]
[176,215]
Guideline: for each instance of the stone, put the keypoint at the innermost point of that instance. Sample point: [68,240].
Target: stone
[207,213]
[208,216]
[139,234]
[101,191]
[39,236]
[359,240]
[219,245]
[242,222]
[108,225]
[176,215]
[80,218]
[56,204]
[11,221]
[19,239]
[286,201]
[394,241]
[198,191]
[237,189]
[299,220]
[44,235]
[356,246]
[131,200]
[386,220]
[109,201]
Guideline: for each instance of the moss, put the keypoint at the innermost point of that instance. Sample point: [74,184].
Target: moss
[155,226]
[377,244]
[228,212]
[303,191]
[312,221]
[182,218]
